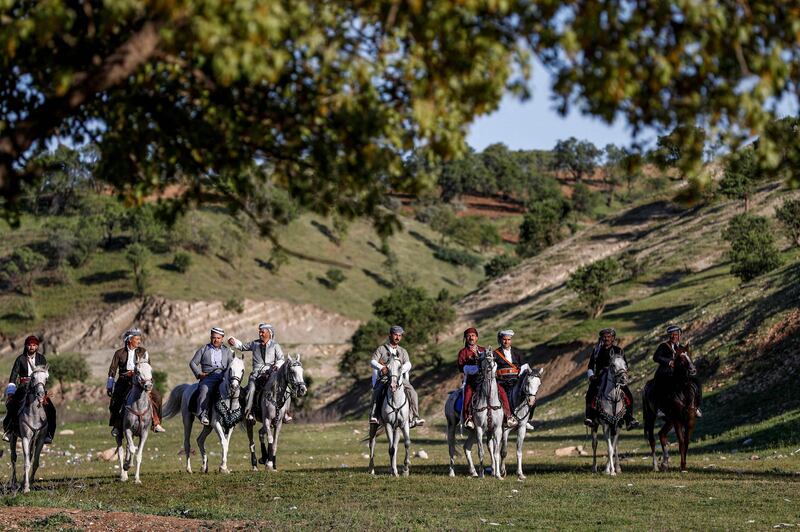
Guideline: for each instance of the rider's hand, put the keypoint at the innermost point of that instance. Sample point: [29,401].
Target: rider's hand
[109,391]
[672,363]
[8,397]
[231,341]
[384,370]
[202,376]
[592,378]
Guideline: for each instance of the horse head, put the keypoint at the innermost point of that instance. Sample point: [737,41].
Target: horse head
[619,369]
[488,365]
[395,372]
[39,378]
[294,376]
[530,385]
[235,375]
[144,376]
[685,363]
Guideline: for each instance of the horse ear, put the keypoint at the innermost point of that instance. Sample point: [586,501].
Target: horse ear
[298,358]
[539,371]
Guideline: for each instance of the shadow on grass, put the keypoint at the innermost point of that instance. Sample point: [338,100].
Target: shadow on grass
[104,277]
[117,296]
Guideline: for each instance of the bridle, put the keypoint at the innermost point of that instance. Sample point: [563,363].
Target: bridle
[37,388]
[487,381]
[523,392]
[394,384]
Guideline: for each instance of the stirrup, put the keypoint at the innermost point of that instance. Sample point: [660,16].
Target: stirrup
[589,422]
[115,432]
[469,423]
[698,413]
[159,428]
[511,422]
[631,424]
[7,436]
[373,421]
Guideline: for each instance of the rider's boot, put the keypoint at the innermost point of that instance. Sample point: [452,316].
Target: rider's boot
[159,428]
[48,439]
[204,419]
[373,420]
[115,432]
[630,422]
[7,435]
[287,418]
[588,421]
[698,413]
[511,422]
[469,423]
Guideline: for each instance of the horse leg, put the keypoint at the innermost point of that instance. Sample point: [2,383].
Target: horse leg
[407,442]
[521,432]
[272,449]
[13,451]
[617,466]
[123,475]
[649,431]
[662,436]
[251,445]
[26,453]
[680,432]
[130,449]
[494,448]
[223,443]
[608,434]
[201,445]
[142,440]
[594,448]
[479,437]
[689,428]
[471,439]
[390,435]
[188,420]
[261,434]
[503,451]
[373,435]
[451,444]
[37,451]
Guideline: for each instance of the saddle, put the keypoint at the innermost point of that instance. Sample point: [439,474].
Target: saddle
[458,406]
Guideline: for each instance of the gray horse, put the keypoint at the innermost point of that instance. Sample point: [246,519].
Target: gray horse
[180,399]
[136,420]
[487,414]
[523,397]
[32,428]
[394,417]
[282,385]
[611,410]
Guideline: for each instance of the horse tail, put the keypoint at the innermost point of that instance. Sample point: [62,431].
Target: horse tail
[174,402]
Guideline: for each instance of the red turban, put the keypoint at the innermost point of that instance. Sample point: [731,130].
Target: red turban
[31,340]
[471,330]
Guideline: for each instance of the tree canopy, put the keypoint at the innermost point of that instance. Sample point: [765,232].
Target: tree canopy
[326,99]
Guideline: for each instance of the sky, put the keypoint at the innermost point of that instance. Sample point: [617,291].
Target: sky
[535,124]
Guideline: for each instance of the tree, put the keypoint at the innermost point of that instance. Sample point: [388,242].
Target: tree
[499,265]
[138,256]
[576,157]
[334,277]
[753,251]
[614,169]
[584,200]
[591,283]
[67,368]
[741,176]
[467,174]
[22,268]
[540,227]
[504,172]
[182,261]
[788,214]
[681,149]
[65,172]
[328,98]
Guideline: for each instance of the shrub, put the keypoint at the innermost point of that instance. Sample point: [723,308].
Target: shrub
[182,261]
[753,251]
[25,309]
[788,215]
[633,265]
[160,381]
[540,227]
[591,283]
[148,229]
[334,277]
[21,269]
[88,236]
[458,257]
[584,199]
[138,256]
[67,368]
[741,176]
[234,305]
[499,265]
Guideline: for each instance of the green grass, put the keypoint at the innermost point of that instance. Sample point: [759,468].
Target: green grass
[323,484]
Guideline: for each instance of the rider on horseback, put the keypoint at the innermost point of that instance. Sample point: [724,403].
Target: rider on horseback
[509,366]
[469,364]
[380,358]
[598,363]
[665,358]
[209,364]
[124,361]
[18,387]
[267,357]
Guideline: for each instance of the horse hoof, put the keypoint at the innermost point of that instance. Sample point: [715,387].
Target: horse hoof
[405,473]
[224,470]
[254,468]
[684,470]
[521,477]
[26,490]
[137,481]
[452,473]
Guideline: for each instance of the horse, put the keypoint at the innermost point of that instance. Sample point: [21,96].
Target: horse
[394,415]
[487,414]
[611,410]
[679,405]
[222,422]
[523,397]
[276,398]
[136,419]
[32,428]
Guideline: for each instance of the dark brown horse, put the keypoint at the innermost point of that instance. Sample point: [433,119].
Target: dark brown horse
[678,398]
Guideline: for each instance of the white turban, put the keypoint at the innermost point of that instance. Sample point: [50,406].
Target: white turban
[505,333]
[217,330]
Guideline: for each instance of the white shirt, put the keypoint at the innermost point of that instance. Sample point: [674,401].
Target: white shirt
[507,353]
[216,356]
[393,350]
[31,364]
[130,365]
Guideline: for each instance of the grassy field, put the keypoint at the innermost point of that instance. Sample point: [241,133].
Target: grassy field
[323,484]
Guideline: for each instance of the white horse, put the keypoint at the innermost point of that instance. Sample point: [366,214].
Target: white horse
[136,420]
[487,414]
[276,398]
[32,428]
[611,410]
[180,399]
[394,416]
[523,400]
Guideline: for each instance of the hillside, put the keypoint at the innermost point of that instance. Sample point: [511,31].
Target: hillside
[745,337]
